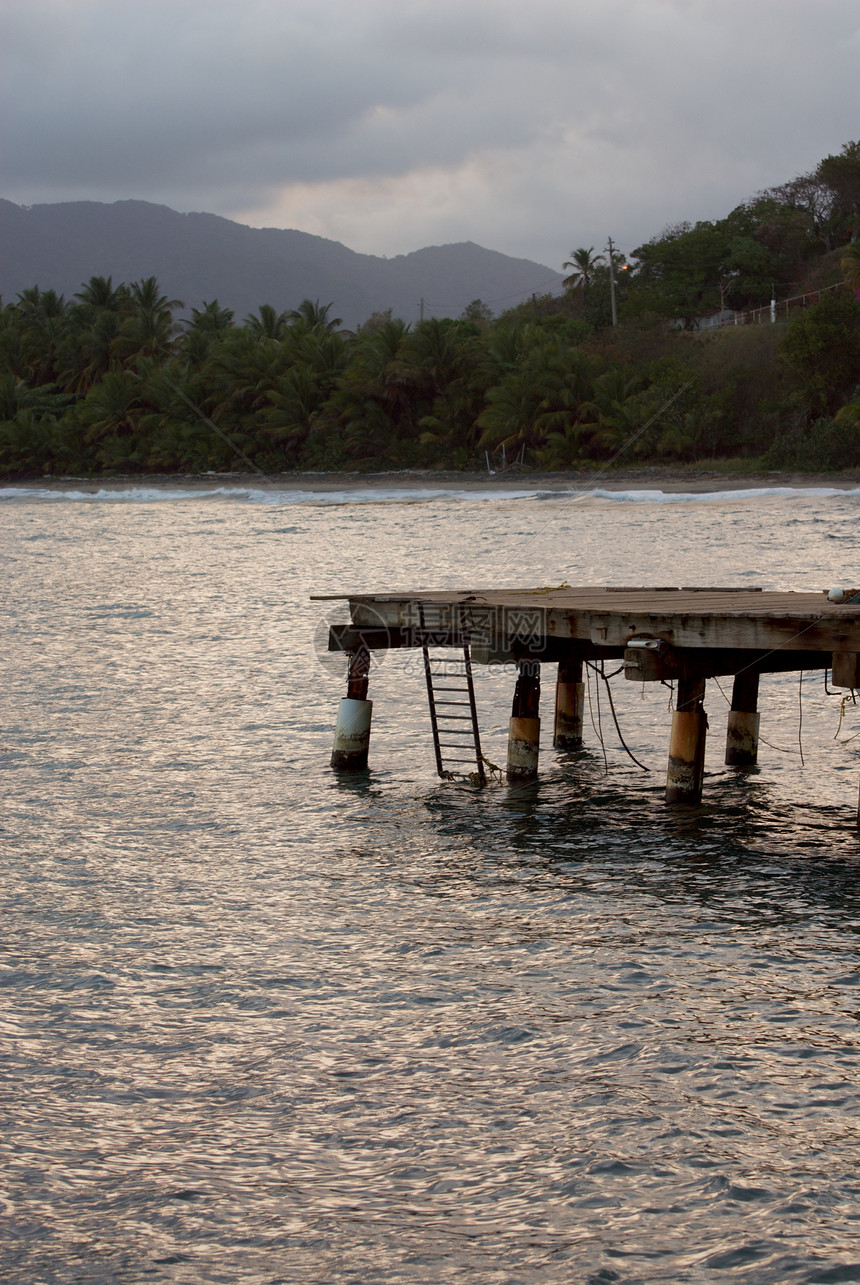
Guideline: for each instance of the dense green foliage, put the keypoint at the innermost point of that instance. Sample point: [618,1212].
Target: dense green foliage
[110,382]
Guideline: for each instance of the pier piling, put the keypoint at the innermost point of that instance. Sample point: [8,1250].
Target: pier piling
[352,731]
[524,727]
[743,722]
[569,706]
[687,744]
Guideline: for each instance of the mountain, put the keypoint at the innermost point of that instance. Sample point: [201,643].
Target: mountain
[198,257]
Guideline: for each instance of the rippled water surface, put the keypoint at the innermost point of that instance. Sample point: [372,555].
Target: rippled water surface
[263,1024]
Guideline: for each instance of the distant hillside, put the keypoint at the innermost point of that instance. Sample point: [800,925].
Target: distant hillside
[198,257]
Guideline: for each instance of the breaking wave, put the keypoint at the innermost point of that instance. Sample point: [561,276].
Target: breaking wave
[264,494]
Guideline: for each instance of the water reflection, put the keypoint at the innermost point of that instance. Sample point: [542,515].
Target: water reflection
[263,1022]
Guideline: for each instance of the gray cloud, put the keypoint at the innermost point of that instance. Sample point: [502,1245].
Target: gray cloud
[529,129]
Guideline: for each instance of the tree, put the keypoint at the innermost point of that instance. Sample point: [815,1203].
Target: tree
[151,326]
[267,322]
[815,201]
[693,270]
[544,393]
[850,264]
[40,317]
[299,395]
[207,324]
[616,411]
[313,316]
[110,415]
[583,262]
[240,371]
[211,319]
[92,348]
[373,400]
[822,348]
[783,230]
[98,295]
[841,174]
[681,271]
[478,312]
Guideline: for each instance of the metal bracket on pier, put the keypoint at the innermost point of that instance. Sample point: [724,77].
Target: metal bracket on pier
[650,660]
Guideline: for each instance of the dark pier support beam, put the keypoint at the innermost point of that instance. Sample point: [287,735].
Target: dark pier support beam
[687,744]
[743,723]
[352,733]
[524,728]
[569,706]
[845,672]
[845,669]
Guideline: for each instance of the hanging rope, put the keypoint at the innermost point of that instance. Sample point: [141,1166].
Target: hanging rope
[600,673]
[598,731]
[849,697]
[780,749]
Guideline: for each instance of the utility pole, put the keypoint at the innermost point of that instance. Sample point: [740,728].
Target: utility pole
[612,282]
[422,310]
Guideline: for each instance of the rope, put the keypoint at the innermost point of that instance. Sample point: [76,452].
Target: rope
[780,749]
[598,731]
[624,744]
[852,697]
[495,771]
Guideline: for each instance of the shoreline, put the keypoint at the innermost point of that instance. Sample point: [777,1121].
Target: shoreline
[657,478]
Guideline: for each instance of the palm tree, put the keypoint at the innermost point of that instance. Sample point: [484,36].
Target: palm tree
[438,368]
[91,350]
[207,324]
[437,353]
[111,408]
[298,395]
[372,400]
[211,318]
[240,371]
[41,401]
[267,322]
[583,262]
[152,326]
[98,294]
[616,411]
[41,317]
[543,394]
[313,316]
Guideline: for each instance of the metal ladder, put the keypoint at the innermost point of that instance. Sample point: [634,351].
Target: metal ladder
[453,714]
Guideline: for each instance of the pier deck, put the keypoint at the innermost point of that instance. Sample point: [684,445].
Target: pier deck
[682,635]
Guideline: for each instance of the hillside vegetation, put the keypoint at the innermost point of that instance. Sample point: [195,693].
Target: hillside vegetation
[108,382]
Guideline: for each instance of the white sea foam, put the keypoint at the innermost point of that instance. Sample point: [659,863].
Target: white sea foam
[113,495]
[750,493]
[255,495]
[275,495]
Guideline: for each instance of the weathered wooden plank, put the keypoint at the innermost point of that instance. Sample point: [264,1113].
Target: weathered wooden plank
[502,621]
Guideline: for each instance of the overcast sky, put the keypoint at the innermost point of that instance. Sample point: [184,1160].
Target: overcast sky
[530,127]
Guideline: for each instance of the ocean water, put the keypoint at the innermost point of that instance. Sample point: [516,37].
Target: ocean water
[264,1024]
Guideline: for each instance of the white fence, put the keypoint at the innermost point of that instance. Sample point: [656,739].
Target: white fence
[776,310]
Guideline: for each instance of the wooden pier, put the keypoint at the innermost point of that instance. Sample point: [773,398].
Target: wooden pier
[682,636]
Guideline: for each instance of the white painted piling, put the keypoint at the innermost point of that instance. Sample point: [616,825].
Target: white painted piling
[352,735]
